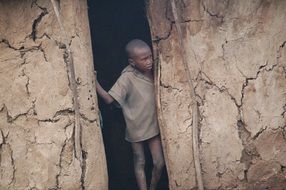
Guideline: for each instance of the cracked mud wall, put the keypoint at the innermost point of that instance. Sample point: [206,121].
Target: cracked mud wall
[36,105]
[236,52]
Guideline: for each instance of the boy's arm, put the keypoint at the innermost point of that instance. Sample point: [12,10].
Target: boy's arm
[103,94]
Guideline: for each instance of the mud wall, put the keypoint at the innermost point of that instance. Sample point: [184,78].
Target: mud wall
[36,105]
[237,57]
[236,52]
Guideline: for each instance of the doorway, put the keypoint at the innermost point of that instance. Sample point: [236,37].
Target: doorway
[113,24]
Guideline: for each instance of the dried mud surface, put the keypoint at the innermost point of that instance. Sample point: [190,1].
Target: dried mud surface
[36,103]
[236,53]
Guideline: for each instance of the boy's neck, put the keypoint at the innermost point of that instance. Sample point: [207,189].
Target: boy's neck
[148,73]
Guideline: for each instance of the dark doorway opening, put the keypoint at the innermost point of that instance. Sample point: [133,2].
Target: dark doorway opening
[113,24]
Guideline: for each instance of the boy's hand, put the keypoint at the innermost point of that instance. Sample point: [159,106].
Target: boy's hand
[101,92]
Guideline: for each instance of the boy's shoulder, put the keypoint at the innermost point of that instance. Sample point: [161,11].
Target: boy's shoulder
[131,73]
[128,69]
[126,74]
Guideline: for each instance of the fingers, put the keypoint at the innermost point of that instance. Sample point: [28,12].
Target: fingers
[95,75]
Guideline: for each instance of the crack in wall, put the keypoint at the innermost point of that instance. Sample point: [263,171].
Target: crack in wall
[66,60]
[44,35]
[5,41]
[24,50]
[60,165]
[259,133]
[185,21]
[284,132]
[84,117]
[280,49]
[36,22]
[2,107]
[13,166]
[83,169]
[27,83]
[215,15]
[282,45]
[182,19]
[261,68]
[11,119]
[223,49]
[157,39]
[2,140]
[169,87]
[242,132]
[64,112]
[70,111]
[43,51]
[249,152]
[48,120]
[32,111]
[222,89]
[245,84]
[284,111]
[12,180]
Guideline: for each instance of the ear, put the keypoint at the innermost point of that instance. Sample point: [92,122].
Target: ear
[131,62]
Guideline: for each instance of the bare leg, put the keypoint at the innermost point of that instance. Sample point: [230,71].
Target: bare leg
[139,164]
[158,160]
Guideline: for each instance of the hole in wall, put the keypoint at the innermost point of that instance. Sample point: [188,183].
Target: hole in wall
[113,24]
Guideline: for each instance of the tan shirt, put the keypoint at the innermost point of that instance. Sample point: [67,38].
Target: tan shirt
[135,94]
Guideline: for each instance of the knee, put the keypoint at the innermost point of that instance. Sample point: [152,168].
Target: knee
[139,161]
[159,163]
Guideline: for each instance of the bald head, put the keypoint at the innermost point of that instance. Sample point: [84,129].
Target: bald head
[133,45]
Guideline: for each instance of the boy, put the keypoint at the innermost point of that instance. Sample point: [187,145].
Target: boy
[134,92]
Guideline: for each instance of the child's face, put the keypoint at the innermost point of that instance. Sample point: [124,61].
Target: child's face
[142,59]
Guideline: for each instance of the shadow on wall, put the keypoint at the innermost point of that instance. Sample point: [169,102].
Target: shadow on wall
[113,24]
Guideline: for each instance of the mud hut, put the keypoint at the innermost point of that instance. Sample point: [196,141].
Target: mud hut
[220,68]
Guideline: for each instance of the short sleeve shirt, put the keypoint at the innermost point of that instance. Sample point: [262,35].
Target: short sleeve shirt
[135,94]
